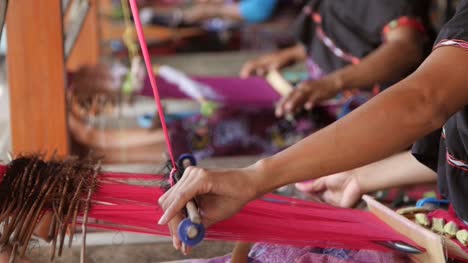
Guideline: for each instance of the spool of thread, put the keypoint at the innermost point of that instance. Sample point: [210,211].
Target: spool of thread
[191,231]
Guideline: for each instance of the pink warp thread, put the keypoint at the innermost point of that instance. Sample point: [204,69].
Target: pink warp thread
[149,69]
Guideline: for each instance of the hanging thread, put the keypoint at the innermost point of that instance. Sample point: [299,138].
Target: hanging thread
[149,69]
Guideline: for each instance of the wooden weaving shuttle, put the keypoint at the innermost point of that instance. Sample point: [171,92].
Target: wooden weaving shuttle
[191,231]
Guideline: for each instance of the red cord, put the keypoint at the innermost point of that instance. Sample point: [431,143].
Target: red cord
[149,69]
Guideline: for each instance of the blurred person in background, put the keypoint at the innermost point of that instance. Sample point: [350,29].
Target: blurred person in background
[249,11]
[350,45]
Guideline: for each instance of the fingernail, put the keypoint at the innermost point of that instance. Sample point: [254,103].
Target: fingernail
[307,181]
[303,184]
[299,185]
[176,244]
[162,220]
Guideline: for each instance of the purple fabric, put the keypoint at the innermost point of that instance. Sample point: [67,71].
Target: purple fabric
[241,131]
[234,91]
[244,123]
[265,253]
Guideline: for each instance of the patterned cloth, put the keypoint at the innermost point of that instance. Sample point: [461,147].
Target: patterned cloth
[264,253]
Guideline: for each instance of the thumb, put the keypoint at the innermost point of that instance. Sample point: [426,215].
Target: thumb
[350,197]
[317,185]
[274,65]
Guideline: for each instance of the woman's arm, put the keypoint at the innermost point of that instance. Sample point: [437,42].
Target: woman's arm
[396,171]
[346,189]
[264,64]
[388,123]
[398,55]
[392,121]
[401,53]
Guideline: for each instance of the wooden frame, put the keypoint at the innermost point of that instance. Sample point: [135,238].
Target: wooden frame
[36,74]
[86,49]
[435,245]
[3,10]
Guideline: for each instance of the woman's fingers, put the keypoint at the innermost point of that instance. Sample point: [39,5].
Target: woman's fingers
[175,220]
[279,112]
[185,190]
[173,227]
[309,104]
[186,249]
[260,71]
[290,104]
[281,107]
[248,69]
[331,198]
[253,68]
[172,206]
[260,66]
[164,197]
[317,185]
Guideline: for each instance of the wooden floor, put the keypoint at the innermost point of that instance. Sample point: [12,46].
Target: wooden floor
[135,253]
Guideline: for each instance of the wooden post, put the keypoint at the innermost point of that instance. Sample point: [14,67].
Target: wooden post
[87,47]
[36,74]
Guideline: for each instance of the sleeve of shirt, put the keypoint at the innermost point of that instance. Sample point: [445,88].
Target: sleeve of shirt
[385,15]
[257,11]
[304,28]
[426,150]
[455,32]
[430,150]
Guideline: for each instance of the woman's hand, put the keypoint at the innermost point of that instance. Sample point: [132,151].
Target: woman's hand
[308,94]
[262,65]
[341,189]
[219,195]
[346,188]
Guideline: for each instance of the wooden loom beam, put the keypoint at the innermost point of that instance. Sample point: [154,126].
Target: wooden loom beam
[36,74]
[87,49]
